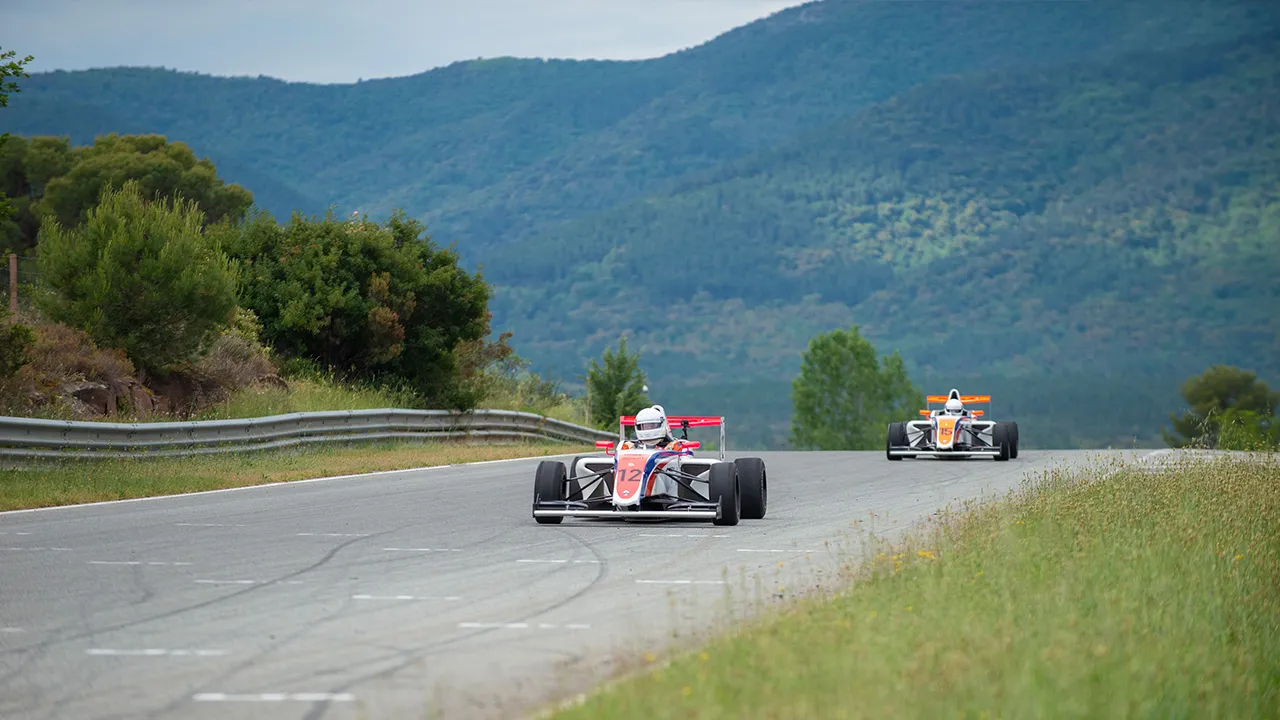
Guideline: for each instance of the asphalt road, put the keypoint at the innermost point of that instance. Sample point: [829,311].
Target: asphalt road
[417,594]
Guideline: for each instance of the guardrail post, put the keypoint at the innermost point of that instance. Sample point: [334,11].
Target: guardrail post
[13,283]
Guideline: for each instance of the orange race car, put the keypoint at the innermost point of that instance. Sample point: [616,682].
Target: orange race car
[953,430]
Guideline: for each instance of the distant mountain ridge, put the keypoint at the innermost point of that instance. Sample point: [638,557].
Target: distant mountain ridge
[1070,188]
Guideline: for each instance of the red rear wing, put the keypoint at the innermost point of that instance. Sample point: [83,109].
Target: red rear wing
[677,421]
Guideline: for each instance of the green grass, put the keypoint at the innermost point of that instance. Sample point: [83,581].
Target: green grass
[306,395]
[42,484]
[1095,593]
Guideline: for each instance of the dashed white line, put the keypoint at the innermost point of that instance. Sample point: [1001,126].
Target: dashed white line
[34,548]
[207,525]
[247,582]
[683,582]
[521,626]
[753,550]
[405,597]
[682,535]
[562,562]
[332,534]
[154,652]
[6,532]
[423,550]
[13,630]
[134,562]
[273,697]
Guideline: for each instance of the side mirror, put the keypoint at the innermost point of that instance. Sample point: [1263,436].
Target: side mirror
[604,444]
[692,445]
[924,413]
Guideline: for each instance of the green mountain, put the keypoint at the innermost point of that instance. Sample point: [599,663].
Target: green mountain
[1033,196]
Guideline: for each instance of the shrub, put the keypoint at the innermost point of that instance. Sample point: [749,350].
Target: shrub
[371,302]
[138,275]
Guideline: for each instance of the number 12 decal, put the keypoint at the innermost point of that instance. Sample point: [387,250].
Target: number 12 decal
[630,474]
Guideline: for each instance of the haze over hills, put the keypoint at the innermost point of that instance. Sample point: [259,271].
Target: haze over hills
[1066,190]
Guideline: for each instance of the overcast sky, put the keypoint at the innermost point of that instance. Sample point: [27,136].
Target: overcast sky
[343,40]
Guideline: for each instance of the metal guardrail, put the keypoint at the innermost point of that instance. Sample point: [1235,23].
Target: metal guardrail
[34,438]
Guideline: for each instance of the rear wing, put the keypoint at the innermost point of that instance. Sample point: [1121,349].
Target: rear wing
[677,422]
[967,400]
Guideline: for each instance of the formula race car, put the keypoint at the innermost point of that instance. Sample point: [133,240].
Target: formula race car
[635,481]
[952,431]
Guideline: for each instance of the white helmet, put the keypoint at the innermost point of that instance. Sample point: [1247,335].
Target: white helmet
[651,424]
[954,406]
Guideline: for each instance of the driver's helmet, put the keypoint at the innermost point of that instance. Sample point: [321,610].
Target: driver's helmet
[954,406]
[651,424]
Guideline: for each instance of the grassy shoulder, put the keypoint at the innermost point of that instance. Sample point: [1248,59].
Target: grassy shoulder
[43,484]
[1091,593]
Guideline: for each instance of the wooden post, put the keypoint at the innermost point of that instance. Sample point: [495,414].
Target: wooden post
[13,283]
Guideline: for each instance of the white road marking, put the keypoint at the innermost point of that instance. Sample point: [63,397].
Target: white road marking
[521,626]
[333,534]
[562,562]
[683,582]
[207,525]
[246,582]
[274,697]
[775,551]
[421,550]
[405,597]
[682,535]
[155,652]
[11,630]
[6,532]
[133,562]
[277,486]
[35,548]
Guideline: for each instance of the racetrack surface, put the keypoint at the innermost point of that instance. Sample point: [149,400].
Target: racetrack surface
[427,593]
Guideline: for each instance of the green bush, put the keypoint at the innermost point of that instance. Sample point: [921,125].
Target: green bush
[369,301]
[138,275]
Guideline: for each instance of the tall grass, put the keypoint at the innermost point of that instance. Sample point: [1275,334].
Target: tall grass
[1111,592]
[310,394]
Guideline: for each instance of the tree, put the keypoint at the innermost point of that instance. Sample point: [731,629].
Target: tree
[138,275]
[1223,397]
[26,167]
[9,68]
[845,396]
[367,300]
[161,169]
[616,386]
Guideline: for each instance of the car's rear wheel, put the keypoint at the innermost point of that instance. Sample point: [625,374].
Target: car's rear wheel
[1013,437]
[548,486]
[754,483]
[1000,436]
[723,489]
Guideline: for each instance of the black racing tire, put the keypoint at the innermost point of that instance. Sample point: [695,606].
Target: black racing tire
[753,481]
[1013,436]
[723,489]
[1000,437]
[895,435]
[548,485]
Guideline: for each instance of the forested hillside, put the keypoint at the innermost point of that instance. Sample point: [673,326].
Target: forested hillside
[1042,194]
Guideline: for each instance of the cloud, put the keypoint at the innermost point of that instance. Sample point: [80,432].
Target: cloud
[330,41]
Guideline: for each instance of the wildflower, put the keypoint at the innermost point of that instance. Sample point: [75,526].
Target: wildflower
[926,554]
[704,657]
[686,691]
[650,657]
